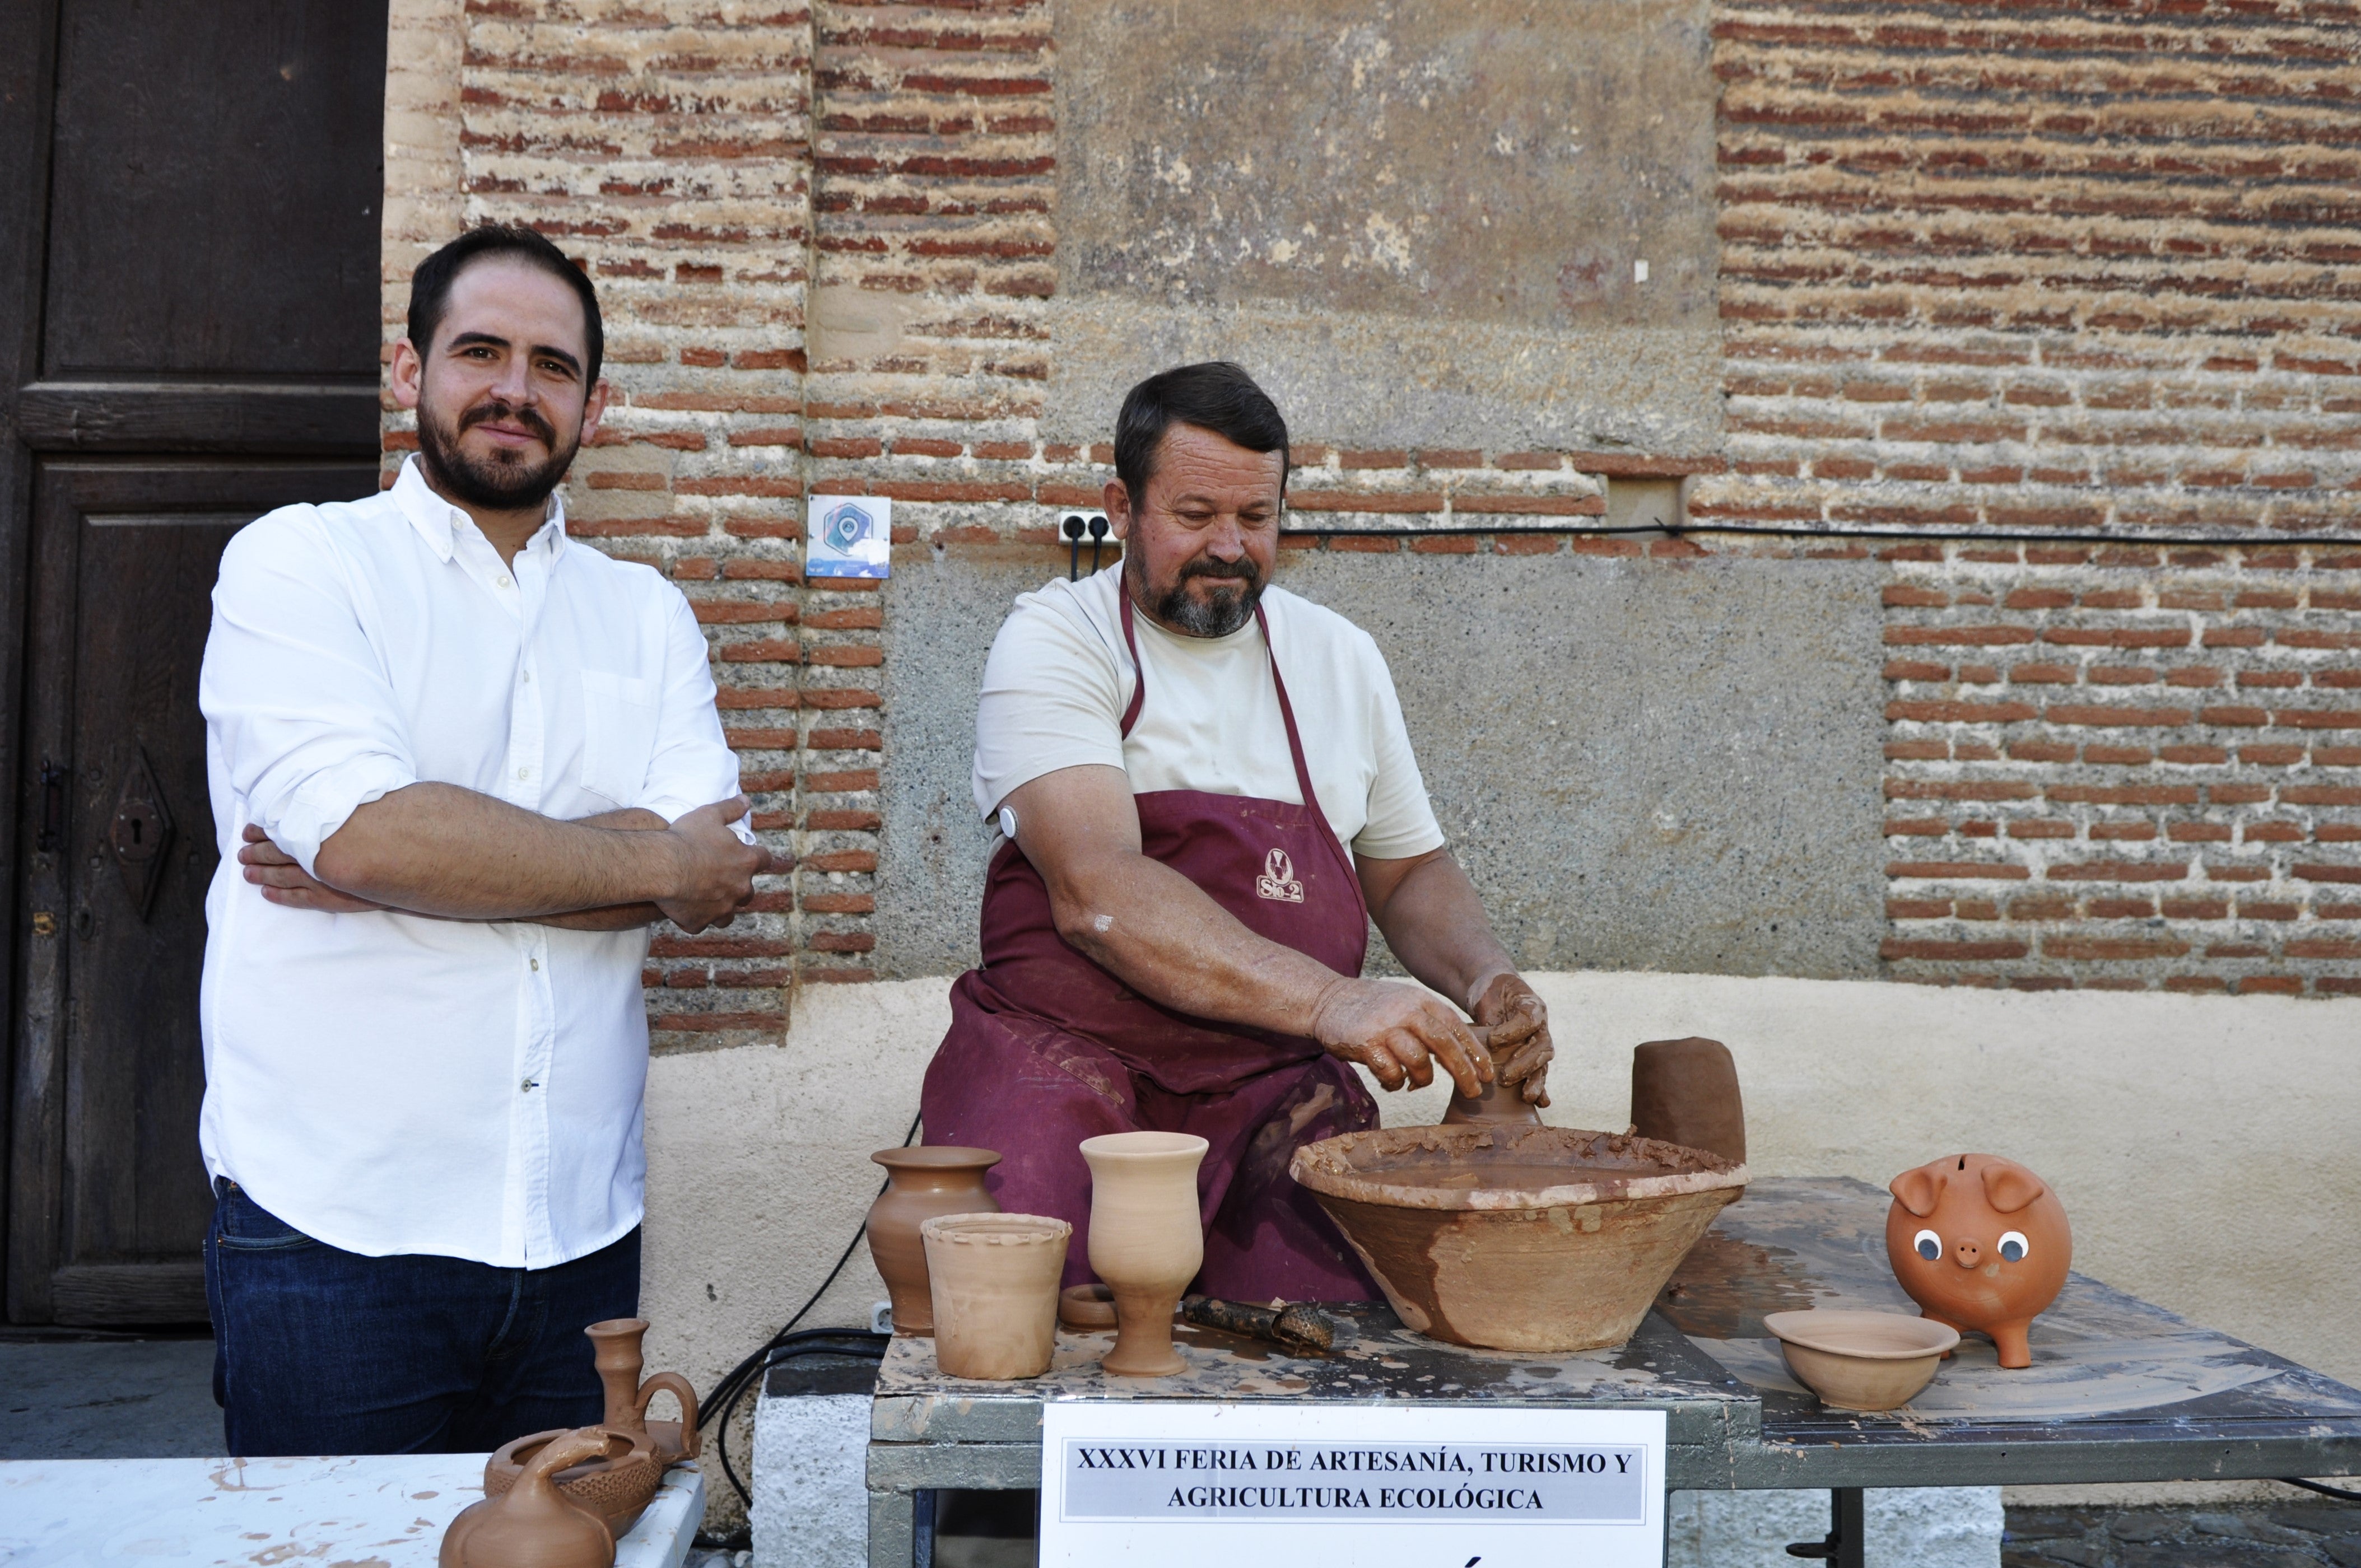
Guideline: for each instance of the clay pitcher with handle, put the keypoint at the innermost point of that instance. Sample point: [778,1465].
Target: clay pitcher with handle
[620,1363]
[921,1184]
[533,1525]
[1147,1241]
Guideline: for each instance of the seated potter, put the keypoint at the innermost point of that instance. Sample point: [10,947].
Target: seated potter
[1205,792]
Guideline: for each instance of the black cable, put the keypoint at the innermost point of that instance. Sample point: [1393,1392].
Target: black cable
[735,1383]
[2322,1488]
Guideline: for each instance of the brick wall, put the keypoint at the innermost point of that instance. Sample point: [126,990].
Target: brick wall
[2001,271]
[2126,768]
[2071,266]
[666,148]
[2055,272]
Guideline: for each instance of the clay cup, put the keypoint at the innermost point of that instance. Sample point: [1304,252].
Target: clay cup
[993,1284]
[1147,1241]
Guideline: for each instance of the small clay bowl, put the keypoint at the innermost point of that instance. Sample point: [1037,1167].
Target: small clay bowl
[1086,1307]
[1861,1361]
[618,1487]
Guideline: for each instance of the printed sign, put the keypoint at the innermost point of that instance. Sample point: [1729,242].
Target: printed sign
[849,536]
[1380,1486]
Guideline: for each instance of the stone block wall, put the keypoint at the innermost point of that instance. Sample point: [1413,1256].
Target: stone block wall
[2052,313]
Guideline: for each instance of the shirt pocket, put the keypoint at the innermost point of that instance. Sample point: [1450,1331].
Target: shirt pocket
[619,734]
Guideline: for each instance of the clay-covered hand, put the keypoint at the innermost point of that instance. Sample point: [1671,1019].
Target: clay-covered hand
[714,869]
[1517,1019]
[1399,1032]
[284,881]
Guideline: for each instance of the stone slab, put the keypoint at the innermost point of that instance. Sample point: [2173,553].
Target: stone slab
[1677,769]
[388,1510]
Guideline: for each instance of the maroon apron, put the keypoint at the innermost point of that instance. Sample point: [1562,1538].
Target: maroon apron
[1047,1048]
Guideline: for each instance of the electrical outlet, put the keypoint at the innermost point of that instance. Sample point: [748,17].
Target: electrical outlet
[1074,525]
[880,1317]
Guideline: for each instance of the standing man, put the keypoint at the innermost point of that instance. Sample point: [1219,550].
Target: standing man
[459,766]
[1177,757]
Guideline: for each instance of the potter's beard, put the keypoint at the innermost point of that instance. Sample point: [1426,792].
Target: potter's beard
[507,481]
[1222,611]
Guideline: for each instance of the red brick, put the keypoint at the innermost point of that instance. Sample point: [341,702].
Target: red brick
[2116,870]
[1961,871]
[1953,951]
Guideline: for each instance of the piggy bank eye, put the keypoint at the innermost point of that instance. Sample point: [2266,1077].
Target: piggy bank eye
[2012,1246]
[1929,1245]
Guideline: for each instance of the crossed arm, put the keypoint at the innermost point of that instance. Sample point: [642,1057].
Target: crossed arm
[1167,939]
[440,849]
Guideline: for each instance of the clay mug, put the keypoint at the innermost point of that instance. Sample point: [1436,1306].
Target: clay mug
[1147,1241]
[921,1183]
[994,1278]
[619,1361]
[1498,1101]
[1685,1091]
[1979,1242]
[533,1525]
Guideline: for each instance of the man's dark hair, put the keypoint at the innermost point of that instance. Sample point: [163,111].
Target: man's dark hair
[430,286]
[1216,396]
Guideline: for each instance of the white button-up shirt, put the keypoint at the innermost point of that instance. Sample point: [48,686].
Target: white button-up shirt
[391,1083]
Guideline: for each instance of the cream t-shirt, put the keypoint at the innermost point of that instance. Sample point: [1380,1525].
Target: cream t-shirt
[1059,679]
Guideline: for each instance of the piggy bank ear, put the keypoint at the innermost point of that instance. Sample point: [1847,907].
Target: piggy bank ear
[2011,1187]
[1916,1189]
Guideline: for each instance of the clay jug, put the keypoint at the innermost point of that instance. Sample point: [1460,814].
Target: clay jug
[619,1362]
[994,1278]
[921,1183]
[533,1525]
[1499,1101]
[1685,1091]
[1147,1241]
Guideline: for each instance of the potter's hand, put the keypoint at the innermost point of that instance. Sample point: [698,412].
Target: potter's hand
[1399,1032]
[714,869]
[1518,1020]
[285,882]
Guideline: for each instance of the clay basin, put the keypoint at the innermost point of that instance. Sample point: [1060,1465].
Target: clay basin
[1518,1238]
[1861,1361]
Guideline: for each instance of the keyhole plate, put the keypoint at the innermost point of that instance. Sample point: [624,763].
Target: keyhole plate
[139,831]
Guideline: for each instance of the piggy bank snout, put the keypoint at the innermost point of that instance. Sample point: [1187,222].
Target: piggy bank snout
[1967,1253]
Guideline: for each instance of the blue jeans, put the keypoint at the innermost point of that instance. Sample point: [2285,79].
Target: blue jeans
[323,1351]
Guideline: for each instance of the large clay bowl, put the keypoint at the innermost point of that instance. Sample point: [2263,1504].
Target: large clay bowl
[1518,1238]
[1861,1361]
[618,1487]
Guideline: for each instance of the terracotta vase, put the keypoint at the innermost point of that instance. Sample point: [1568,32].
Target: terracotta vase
[533,1525]
[618,1485]
[1147,1241]
[921,1183]
[1980,1242]
[1499,1103]
[1685,1091]
[994,1280]
[620,1363]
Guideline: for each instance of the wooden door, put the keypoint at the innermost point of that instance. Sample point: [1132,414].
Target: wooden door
[199,285]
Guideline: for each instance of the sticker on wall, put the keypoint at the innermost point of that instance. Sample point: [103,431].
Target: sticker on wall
[849,536]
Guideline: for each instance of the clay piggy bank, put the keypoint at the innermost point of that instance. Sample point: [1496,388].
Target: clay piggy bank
[1980,1242]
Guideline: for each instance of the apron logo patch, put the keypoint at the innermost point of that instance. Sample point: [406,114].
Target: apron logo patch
[1277,880]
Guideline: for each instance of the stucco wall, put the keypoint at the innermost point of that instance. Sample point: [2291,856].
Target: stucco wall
[2202,1144]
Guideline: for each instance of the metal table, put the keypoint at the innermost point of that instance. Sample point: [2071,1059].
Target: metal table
[2120,1390]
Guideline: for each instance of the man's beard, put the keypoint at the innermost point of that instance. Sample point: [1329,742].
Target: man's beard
[505,482]
[1218,615]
